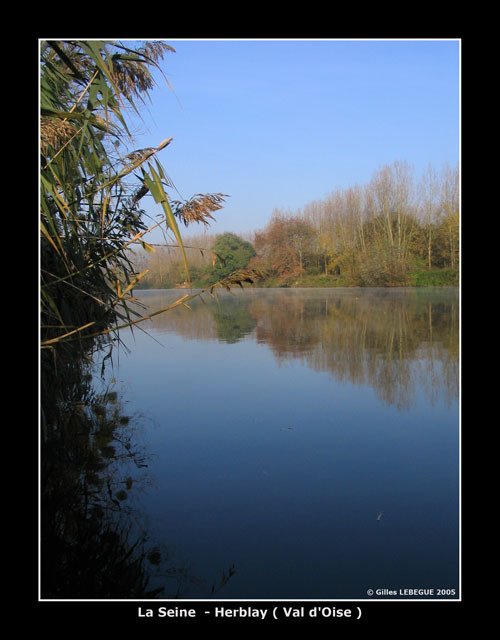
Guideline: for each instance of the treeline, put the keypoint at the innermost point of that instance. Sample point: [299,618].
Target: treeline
[397,230]
[393,231]
[211,258]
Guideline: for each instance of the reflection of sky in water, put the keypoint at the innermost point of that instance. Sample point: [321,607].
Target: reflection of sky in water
[283,422]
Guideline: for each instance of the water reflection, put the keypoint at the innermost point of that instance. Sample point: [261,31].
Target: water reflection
[95,541]
[395,341]
[91,467]
[233,321]
[309,437]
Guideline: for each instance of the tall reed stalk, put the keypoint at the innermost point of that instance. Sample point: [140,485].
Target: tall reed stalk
[92,186]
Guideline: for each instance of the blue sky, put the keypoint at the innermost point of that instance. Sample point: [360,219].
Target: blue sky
[277,124]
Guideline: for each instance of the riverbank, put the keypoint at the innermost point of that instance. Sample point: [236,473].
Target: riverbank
[417,278]
[423,278]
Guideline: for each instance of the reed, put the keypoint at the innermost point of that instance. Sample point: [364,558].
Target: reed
[92,185]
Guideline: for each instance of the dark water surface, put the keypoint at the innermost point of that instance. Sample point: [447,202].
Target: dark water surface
[309,437]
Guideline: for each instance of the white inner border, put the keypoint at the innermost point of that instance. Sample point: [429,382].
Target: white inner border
[177,602]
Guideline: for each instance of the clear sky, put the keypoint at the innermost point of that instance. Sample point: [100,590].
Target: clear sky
[276,124]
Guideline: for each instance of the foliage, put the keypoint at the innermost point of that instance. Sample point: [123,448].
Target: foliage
[211,258]
[285,246]
[92,185]
[434,278]
[379,234]
[373,235]
[318,280]
[231,253]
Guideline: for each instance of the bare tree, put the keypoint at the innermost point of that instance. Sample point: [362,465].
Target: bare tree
[450,203]
[430,206]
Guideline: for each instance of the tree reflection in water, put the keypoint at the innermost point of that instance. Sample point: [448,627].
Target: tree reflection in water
[395,340]
[93,542]
[90,466]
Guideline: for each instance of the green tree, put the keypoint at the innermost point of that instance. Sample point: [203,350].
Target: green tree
[231,253]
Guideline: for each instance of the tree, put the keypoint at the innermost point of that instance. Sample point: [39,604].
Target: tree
[231,253]
[390,227]
[379,234]
[286,245]
[430,208]
[390,195]
[450,204]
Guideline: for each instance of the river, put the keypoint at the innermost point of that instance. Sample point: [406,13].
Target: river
[307,438]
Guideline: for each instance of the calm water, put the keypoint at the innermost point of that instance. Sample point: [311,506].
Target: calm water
[308,437]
